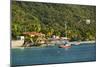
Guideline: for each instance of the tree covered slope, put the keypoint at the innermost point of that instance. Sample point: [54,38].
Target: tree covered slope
[57,19]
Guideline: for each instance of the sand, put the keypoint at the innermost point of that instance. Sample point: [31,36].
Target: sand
[16,43]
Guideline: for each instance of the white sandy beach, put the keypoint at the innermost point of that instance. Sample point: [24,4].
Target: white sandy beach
[16,43]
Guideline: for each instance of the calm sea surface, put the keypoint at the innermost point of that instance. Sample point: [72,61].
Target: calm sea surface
[53,54]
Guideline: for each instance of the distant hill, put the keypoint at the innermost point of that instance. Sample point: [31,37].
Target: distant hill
[57,19]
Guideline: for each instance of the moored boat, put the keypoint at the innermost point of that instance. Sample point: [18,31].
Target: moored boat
[78,43]
[65,46]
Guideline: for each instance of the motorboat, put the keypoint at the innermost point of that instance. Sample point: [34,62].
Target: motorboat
[65,46]
[77,43]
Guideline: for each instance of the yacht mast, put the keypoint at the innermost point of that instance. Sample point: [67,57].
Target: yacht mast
[66,28]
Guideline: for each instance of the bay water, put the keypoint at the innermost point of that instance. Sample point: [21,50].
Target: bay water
[53,54]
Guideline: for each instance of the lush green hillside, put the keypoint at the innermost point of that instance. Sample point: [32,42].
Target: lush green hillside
[54,19]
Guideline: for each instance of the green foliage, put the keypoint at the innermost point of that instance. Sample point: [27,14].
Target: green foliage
[50,19]
[34,39]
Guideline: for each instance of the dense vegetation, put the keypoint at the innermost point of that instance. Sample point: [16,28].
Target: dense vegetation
[57,19]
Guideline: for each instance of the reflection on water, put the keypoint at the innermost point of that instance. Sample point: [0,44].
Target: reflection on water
[53,54]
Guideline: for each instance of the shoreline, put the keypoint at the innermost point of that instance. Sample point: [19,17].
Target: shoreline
[18,43]
[82,42]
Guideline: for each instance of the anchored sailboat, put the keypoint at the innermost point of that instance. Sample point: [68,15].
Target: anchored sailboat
[66,44]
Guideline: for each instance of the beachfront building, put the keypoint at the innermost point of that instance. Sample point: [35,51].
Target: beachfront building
[34,38]
[32,34]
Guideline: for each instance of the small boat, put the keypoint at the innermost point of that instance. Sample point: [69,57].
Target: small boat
[65,46]
[78,43]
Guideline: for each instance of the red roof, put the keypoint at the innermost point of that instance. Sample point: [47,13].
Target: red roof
[32,33]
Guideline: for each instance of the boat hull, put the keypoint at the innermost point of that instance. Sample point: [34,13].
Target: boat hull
[63,46]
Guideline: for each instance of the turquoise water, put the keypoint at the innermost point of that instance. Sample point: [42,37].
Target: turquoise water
[53,54]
